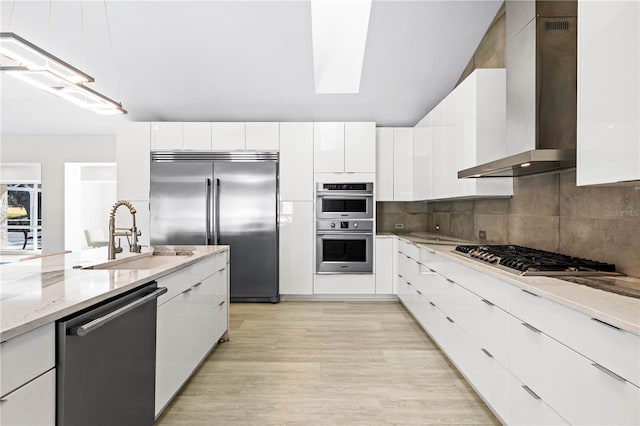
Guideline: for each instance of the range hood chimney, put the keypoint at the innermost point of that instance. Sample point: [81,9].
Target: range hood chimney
[541,65]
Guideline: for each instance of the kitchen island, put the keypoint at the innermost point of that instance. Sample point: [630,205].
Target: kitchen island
[34,294]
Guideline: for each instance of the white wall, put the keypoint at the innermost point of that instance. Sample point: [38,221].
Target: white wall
[52,151]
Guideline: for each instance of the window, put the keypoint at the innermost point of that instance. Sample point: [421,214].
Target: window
[20,208]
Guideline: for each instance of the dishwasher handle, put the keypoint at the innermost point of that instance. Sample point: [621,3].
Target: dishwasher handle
[87,328]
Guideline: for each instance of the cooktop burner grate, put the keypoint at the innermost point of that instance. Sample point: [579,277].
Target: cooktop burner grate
[529,261]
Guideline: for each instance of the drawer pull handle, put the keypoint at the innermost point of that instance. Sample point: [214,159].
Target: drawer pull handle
[432,304]
[487,353]
[487,302]
[451,281]
[196,285]
[222,303]
[3,400]
[528,292]
[532,328]
[187,290]
[606,323]
[431,270]
[530,392]
[450,320]
[608,372]
[419,292]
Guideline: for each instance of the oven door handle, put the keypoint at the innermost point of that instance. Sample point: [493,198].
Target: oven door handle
[333,195]
[363,233]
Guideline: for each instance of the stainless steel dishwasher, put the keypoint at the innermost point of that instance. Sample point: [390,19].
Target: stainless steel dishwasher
[106,361]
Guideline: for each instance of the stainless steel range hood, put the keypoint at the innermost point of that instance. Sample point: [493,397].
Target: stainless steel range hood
[541,91]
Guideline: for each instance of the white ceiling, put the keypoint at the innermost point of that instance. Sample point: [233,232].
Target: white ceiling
[236,61]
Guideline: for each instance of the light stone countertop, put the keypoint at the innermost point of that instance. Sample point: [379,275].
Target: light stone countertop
[617,310]
[39,291]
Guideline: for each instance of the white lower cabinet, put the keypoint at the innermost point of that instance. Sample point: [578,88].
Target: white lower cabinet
[384,265]
[527,408]
[188,326]
[296,247]
[32,404]
[484,373]
[580,390]
[533,361]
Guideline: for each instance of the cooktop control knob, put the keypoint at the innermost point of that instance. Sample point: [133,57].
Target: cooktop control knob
[355,224]
[333,225]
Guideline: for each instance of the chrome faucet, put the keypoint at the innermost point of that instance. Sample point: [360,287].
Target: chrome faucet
[134,247]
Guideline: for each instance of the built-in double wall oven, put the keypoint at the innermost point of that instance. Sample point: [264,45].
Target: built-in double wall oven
[344,228]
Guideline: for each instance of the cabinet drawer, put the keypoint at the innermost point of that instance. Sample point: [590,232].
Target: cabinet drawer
[409,249]
[579,390]
[26,356]
[615,349]
[430,317]
[484,285]
[208,266]
[407,268]
[32,404]
[430,259]
[486,375]
[527,408]
[405,293]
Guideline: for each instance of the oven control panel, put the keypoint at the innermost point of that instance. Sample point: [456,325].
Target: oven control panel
[344,225]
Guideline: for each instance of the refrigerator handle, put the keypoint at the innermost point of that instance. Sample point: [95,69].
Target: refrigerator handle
[216,212]
[207,183]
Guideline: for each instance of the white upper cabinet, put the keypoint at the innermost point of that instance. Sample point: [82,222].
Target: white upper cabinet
[177,135]
[344,147]
[360,147]
[262,136]
[384,164]
[422,141]
[468,129]
[328,147]
[228,136]
[166,136]
[403,164]
[133,143]
[296,161]
[197,136]
[608,146]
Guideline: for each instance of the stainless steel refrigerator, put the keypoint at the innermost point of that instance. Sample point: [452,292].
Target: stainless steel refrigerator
[204,198]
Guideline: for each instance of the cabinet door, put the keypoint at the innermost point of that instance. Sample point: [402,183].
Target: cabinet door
[422,162]
[222,302]
[227,136]
[328,147]
[384,164]
[262,136]
[360,147]
[166,136]
[197,136]
[438,152]
[201,299]
[31,404]
[133,144]
[172,365]
[403,164]
[384,265]
[296,247]
[608,87]
[296,161]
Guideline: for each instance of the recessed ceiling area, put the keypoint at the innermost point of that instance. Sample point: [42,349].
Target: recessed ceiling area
[236,61]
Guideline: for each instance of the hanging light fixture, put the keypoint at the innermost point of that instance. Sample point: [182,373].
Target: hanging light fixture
[34,65]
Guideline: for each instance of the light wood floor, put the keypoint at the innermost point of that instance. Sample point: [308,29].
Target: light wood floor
[326,363]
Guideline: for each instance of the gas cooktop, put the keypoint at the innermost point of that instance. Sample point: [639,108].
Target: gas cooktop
[529,261]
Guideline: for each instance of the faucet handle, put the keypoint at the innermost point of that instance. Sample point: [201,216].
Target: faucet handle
[119,248]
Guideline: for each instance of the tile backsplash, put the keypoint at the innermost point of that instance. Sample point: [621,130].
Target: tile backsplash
[547,212]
